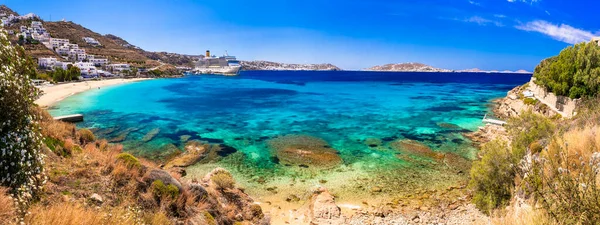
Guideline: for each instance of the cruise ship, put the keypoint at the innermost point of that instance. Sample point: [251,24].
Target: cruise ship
[225,65]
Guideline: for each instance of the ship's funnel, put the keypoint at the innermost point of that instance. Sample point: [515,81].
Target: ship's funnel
[207,53]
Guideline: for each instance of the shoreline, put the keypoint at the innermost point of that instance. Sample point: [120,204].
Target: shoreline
[56,93]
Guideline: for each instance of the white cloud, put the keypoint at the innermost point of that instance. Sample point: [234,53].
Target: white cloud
[525,1]
[483,21]
[499,16]
[474,3]
[563,32]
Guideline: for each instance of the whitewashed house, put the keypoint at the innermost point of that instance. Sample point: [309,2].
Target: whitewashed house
[98,62]
[73,46]
[118,67]
[91,41]
[77,54]
[36,24]
[47,62]
[87,68]
[57,42]
[63,50]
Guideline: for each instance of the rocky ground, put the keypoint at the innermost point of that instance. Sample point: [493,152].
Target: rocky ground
[514,104]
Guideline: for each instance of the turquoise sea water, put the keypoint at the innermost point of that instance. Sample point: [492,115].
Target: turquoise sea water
[343,108]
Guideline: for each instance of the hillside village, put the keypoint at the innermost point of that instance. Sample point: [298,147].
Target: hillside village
[61,45]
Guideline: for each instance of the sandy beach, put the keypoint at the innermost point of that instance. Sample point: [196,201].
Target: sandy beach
[55,93]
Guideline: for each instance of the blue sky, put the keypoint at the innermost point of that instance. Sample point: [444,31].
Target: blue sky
[352,34]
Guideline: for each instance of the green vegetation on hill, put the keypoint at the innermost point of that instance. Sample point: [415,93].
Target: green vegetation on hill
[575,72]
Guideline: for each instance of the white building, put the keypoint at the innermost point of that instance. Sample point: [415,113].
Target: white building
[87,68]
[98,62]
[73,46]
[62,65]
[77,54]
[597,40]
[63,50]
[57,42]
[118,67]
[47,62]
[91,41]
[36,24]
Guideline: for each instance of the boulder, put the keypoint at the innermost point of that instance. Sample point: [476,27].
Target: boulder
[304,151]
[323,210]
[96,198]
[194,152]
[162,175]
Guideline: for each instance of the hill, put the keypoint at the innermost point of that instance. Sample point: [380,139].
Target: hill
[7,11]
[266,65]
[407,67]
[112,48]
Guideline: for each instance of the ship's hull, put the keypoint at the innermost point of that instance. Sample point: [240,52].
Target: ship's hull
[224,70]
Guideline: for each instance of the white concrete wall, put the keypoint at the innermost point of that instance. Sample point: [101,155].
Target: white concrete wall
[564,105]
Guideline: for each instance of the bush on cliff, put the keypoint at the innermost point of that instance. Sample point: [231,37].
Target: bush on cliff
[20,139]
[574,72]
[492,177]
[564,177]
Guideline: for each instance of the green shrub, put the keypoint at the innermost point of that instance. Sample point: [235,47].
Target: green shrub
[161,191]
[492,177]
[530,101]
[526,129]
[129,160]
[573,73]
[86,136]
[223,180]
[20,157]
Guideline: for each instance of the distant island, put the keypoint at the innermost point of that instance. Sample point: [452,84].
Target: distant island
[266,65]
[420,67]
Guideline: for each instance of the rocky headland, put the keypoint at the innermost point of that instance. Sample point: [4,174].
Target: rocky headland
[407,67]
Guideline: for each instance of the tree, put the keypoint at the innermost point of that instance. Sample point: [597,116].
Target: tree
[134,71]
[21,160]
[21,40]
[73,73]
[575,72]
[59,75]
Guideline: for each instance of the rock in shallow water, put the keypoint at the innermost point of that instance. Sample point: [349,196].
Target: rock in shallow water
[301,150]
[416,148]
[151,134]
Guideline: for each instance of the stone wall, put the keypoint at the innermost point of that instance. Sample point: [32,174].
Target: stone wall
[561,104]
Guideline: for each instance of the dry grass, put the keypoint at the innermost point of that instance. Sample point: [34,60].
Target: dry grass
[74,214]
[523,216]
[58,130]
[7,209]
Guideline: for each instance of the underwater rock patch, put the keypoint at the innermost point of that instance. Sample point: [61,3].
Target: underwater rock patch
[151,134]
[416,148]
[373,142]
[449,126]
[297,150]
[457,163]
